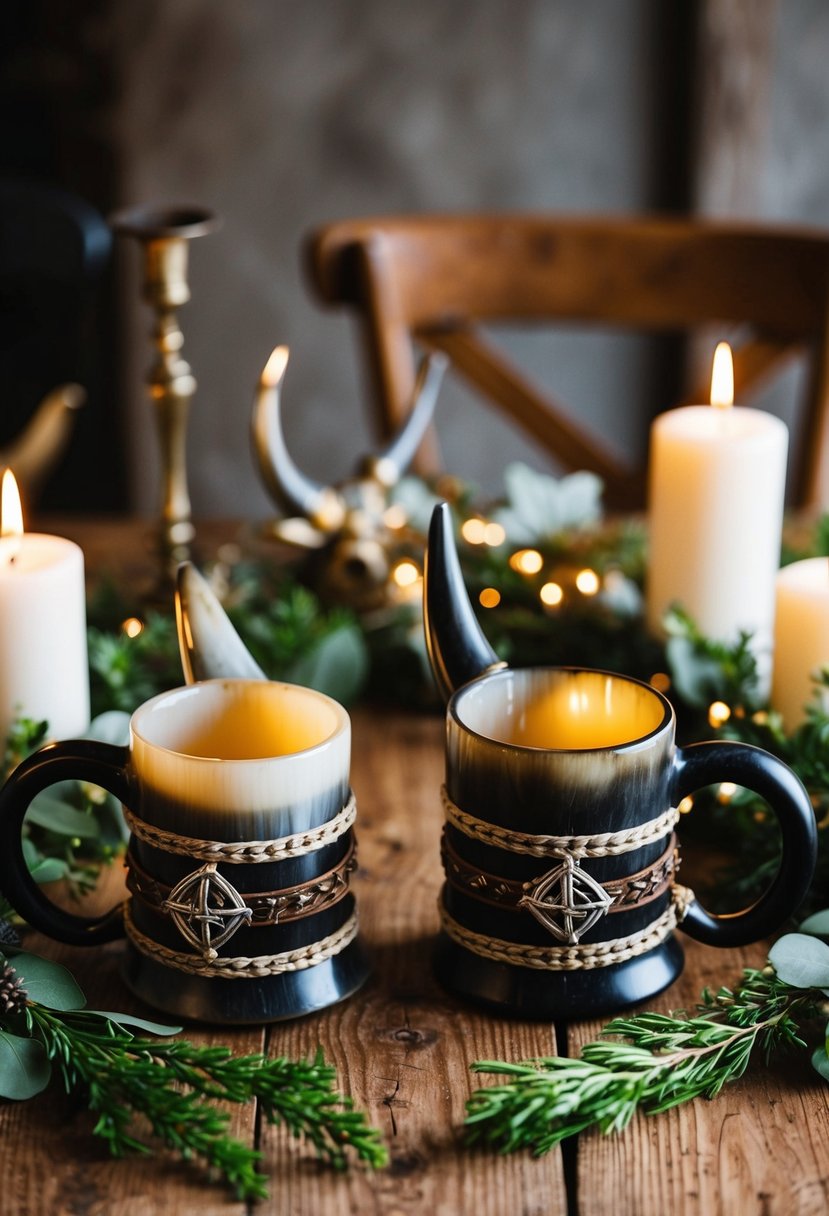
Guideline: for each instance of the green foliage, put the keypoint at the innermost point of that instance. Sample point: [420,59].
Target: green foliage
[173,1087]
[651,1063]
[281,622]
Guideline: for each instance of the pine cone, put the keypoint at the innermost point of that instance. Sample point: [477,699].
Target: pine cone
[12,993]
[8,934]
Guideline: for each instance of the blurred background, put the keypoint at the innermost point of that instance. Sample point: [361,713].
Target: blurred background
[282,116]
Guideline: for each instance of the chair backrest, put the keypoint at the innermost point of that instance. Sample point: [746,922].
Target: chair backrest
[433,279]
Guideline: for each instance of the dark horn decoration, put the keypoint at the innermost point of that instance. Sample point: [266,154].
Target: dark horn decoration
[390,465]
[286,483]
[458,650]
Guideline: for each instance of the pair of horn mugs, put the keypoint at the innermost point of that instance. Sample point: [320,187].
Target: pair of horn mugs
[560,896]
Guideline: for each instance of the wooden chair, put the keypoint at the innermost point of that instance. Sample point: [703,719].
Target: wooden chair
[431,280]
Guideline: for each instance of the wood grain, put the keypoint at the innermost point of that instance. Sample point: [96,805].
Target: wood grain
[403,1049]
[403,1045]
[760,1148]
[52,1165]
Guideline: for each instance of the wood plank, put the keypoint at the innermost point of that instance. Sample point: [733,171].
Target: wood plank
[734,61]
[52,1165]
[761,1147]
[402,1047]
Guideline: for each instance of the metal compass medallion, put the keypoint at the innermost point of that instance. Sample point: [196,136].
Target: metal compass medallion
[566,901]
[203,903]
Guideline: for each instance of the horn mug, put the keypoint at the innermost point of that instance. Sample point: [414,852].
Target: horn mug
[560,895]
[236,792]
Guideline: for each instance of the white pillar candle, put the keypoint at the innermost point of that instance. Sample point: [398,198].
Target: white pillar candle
[801,636]
[44,671]
[717,485]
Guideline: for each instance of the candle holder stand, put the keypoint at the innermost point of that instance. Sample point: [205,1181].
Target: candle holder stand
[164,234]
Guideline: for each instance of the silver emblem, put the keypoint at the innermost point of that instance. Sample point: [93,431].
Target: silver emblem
[203,902]
[566,901]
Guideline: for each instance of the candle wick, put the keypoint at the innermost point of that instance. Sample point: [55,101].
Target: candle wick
[12,559]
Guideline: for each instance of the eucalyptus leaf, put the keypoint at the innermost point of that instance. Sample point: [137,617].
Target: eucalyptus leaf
[801,961]
[24,1067]
[48,869]
[48,983]
[417,500]
[57,816]
[540,506]
[127,1022]
[820,1061]
[817,924]
[112,726]
[697,678]
[336,665]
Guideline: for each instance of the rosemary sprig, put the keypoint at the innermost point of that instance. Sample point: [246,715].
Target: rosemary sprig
[663,1061]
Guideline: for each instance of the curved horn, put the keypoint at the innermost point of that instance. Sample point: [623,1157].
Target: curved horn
[37,448]
[458,650]
[389,466]
[283,480]
[209,645]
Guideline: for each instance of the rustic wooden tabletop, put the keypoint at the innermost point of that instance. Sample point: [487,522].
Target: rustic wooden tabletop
[403,1048]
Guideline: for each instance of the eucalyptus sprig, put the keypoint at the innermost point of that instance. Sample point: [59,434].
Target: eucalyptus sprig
[175,1085]
[656,1061]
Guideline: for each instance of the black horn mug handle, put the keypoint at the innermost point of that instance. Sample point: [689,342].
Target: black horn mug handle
[703,764]
[71,760]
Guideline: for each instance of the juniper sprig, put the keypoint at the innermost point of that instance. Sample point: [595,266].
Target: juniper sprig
[656,1062]
[168,1081]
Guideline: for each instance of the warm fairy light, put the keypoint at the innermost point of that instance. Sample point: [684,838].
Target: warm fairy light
[686,805]
[395,516]
[274,369]
[494,535]
[527,561]
[718,714]
[473,531]
[660,680]
[722,378]
[132,626]
[11,515]
[726,791]
[761,718]
[489,597]
[588,582]
[551,594]
[405,573]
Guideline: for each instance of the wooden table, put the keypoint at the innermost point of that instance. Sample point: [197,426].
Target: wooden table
[403,1049]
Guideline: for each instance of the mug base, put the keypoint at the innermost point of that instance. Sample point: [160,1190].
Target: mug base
[273,998]
[573,995]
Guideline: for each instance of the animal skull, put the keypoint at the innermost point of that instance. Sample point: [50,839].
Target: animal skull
[341,528]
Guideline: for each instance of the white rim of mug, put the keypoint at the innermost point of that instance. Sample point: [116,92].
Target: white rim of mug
[668,715]
[342,715]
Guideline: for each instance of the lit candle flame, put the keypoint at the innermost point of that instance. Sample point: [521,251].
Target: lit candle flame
[722,378]
[11,514]
[274,369]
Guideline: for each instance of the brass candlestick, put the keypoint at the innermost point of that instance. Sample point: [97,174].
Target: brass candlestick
[163,233]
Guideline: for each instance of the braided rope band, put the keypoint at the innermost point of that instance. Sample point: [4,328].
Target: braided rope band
[604,844]
[245,852]
[570,958]
[624,894]
[267,907]
[242,968]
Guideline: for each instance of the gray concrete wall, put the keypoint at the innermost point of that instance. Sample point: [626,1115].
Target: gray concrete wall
[282,115]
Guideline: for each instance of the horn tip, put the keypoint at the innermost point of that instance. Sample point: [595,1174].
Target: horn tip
[457,648]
